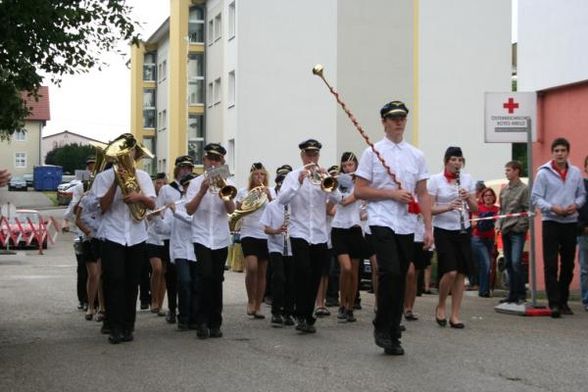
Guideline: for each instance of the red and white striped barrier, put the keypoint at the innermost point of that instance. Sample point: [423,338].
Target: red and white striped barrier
[503,216]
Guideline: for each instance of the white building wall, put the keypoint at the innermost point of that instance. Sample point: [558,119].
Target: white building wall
[215,59]
[279,101]
[230,104]
[161,103]
[545,47]
[464,51]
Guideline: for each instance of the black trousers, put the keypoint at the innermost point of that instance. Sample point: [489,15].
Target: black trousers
[171,279]
[308,261]
[282,282]
[82,278]
[145,283]
[559,239]
[210,276]
[121,270]
[334,273]
[393,252]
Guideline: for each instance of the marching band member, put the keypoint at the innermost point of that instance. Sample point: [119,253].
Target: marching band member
[275,219]
[178,227]
[254,242]
[347,237]
[308,229]
[391,224]
[123,246]
[156,253]
[452,192]
[211,238]
[170,194]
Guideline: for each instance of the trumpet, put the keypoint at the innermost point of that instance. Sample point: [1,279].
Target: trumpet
[317,177]
[217,177]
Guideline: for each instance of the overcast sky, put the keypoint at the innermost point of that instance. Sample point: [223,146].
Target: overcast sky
[98,104]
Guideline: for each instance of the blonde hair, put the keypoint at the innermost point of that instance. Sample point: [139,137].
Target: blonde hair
[251,185]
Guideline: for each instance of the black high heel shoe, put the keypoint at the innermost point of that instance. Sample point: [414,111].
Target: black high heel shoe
[441,322]
[459,325]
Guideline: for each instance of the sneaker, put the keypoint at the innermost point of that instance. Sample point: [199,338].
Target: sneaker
[171,317]
[350,317]
[382,339]
[288,321]
[394,349]
[277,321]
[342,313]
[304,327]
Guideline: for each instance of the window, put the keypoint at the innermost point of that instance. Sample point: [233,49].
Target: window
[209,95]
[149,164]
[149,67]
[196,25]
[210,32]
[162,70]
[231,155]
[231,92]
[218,27]
[196,137]
[217,91]
[164,119]
[232,26]
[20,135]
[149,108]
[20,159]
[196,79]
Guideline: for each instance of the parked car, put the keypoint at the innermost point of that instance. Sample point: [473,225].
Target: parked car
[29,178]
[23,227]
[65,191]
[17,183]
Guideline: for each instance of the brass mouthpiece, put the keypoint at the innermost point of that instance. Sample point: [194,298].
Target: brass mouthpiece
[318,70]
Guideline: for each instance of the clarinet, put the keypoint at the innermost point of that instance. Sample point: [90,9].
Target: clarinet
[286,222]
[462,228]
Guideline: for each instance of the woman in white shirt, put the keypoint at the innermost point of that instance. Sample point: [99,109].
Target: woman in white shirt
[347,237]
[254,242]
[453,192]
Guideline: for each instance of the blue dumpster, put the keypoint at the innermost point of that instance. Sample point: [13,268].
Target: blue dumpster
[47,177]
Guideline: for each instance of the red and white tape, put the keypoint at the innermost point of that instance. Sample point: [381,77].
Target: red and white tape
[503,216]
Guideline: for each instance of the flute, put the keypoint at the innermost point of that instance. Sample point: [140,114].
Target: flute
[286,222]
[462,228]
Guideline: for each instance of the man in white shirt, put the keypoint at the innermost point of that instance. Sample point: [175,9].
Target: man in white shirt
[211,238]
[392,225]
[123,246]
[308,229]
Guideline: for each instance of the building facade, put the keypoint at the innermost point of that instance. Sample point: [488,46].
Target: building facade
[60,139]
[239,73]
[23,152]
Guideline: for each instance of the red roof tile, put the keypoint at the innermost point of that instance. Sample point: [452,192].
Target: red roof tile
[39,109]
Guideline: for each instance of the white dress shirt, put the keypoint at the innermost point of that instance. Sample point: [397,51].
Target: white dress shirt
[408,164]
[179,230]
[210,223]
[443,193]
[168,194]
[347,216]
[273,216]
[308,206]
[118,225]
[90,213]
[250,226]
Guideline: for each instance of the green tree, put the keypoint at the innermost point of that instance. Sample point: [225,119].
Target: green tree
[53,37]
[71,157]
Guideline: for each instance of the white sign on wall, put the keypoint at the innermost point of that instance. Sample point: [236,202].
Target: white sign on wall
[509,115]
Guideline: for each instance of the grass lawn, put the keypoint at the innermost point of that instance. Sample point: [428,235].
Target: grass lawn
[51,195]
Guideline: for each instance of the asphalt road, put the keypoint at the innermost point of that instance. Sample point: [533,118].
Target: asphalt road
[46,345]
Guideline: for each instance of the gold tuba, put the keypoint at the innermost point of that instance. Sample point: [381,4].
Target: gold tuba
[253,201]
[123,152]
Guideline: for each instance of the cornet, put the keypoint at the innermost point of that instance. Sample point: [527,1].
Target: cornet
[217,178]
[317,177]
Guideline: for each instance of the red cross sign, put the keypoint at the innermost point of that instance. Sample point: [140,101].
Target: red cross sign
[511,105]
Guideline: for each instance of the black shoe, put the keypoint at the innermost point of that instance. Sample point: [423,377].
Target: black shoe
[127,337]
[382,339]
[331,302]
[342,313]
[171,317]
[304,327]
[183,327]
[565,309]
[288,321]
[350,317]
[115,338]
[484,295]
[277,321]
[394,349]
[410,316]
[441,322]
[555,312]
[144,305]
[215,332]
[105,329]
[357,305]
[202,331]
[459,325]
[80,306]
[506,300]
